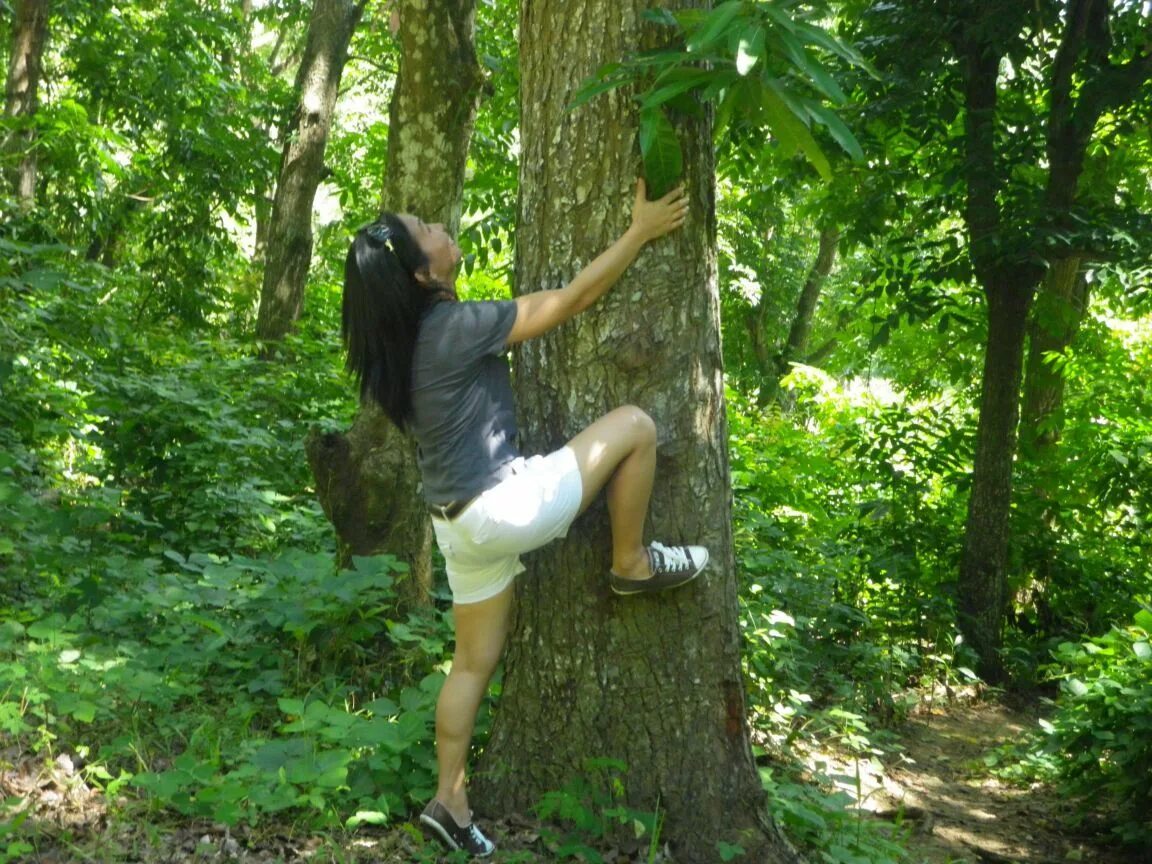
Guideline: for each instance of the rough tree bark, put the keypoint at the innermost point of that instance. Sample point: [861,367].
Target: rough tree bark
[21,95]
[1084,83]
[654,682]
[289,245]
[367,479]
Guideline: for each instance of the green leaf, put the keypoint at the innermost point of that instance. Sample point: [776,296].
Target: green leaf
[823,39]
[729,105]
[291,707]
[836,128]
[660,149]
[367,817]
[714,27]
[791,48]
[1143,650]
[790,130]
[274,755]
[660,16]
[378,732]
[673,83]
[751,48]
[382,707]
[83,710]
[607,77]
[1143,620]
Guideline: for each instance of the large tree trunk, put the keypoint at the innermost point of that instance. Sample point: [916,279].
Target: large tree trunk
[984,565]
[654,682]
[289,247]
[367,480]
[21,95]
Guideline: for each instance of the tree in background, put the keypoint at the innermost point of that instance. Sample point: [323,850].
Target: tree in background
[1090,73]
[367,479]
[288,252]
[795,348]
[655,684]
[148,153]
[21,97]
[1048,72]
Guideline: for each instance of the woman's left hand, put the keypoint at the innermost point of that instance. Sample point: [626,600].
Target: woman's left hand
[652,219]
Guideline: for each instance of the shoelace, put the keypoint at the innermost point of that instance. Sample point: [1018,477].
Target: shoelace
[479,840]
[669,559]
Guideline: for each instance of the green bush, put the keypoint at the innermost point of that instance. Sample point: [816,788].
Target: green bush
[848,517]
[1101,733]
[172,437]
[234,689]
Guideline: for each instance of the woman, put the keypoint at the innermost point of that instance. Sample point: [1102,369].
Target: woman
[437,368]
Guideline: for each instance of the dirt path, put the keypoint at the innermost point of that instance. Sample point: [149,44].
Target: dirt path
[962,815]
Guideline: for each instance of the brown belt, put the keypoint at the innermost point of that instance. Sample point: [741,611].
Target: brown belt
[451,510]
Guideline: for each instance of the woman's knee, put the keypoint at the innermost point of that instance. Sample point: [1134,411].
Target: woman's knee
[641,426]
[478,660]
[481,630]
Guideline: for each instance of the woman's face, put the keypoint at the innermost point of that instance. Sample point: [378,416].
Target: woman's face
[442,252]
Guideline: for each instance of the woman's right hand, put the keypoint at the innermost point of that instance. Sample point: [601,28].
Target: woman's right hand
[652,219]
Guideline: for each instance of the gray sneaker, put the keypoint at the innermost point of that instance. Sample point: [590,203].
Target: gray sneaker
[672,566]
[440,824]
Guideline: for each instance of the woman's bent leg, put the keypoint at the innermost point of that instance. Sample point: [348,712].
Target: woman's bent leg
[481,629]
[618,451]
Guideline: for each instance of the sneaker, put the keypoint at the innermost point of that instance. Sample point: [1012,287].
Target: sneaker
[672,566]
[440,823]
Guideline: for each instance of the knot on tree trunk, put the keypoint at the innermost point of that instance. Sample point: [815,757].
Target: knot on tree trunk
[366,480]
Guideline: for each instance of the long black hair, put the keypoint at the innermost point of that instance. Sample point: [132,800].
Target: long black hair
[383,304]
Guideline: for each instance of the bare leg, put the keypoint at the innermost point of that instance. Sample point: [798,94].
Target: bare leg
[618,451]
[480,632]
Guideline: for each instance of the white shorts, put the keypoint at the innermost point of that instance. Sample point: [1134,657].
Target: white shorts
[535,505]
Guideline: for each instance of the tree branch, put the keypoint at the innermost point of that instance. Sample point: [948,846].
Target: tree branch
[1070,122]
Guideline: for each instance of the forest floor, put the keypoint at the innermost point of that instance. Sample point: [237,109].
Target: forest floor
[937,787]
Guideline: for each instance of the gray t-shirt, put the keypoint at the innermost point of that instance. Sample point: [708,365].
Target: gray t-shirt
[463,411]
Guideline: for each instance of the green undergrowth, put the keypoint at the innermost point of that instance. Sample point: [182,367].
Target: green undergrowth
[234,689]
[1096,743]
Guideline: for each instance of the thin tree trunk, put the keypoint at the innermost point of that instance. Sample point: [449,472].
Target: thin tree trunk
[1056,319]
[984,565]
[367,479]
[806,305]
[21,95]
[653,682]
[1008,290]
[289,248]
[801,328]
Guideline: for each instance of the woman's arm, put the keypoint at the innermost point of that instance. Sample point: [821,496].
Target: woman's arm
[542,311]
